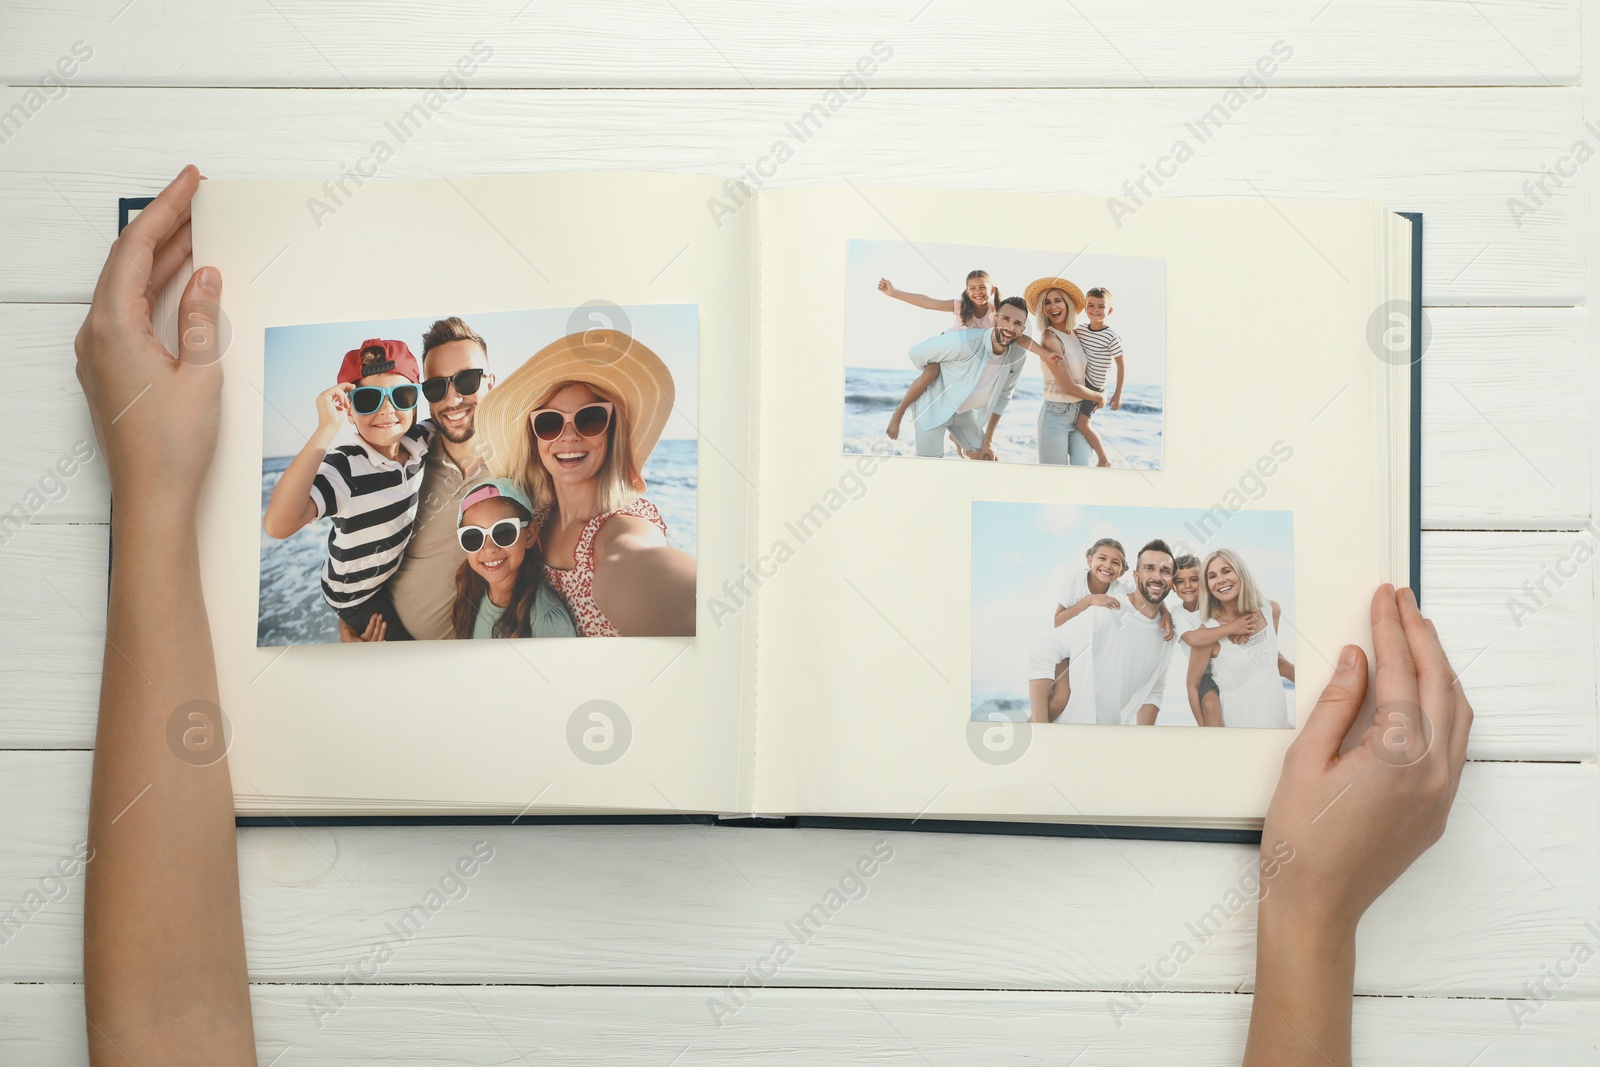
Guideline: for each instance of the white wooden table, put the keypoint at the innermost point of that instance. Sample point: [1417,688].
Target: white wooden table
[605,944]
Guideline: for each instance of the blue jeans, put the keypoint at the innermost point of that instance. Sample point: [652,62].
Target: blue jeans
[1059,439]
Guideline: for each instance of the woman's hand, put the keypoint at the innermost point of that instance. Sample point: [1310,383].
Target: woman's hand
[885,288]
[1341,828]
[155,414]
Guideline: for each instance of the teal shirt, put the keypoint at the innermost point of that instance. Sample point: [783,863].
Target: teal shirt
[550,616]
[962,355]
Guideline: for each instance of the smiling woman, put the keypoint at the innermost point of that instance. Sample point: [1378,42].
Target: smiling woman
[574,427]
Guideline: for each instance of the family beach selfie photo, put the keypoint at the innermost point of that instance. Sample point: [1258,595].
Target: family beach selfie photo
[443,495]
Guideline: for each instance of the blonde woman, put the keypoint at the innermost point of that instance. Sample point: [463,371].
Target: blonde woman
[1063,437]
[1235,639]
[573,427]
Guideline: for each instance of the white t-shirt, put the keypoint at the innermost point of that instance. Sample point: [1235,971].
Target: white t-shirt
[1076,587]
[1125,657]
[1175,698]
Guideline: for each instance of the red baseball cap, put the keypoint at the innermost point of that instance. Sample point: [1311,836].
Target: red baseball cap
[376,356]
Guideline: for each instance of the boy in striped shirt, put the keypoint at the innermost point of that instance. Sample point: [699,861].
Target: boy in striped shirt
[369,489]
[1102,347]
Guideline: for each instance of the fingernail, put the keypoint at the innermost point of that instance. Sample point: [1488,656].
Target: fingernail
[1347,658]
[209,280]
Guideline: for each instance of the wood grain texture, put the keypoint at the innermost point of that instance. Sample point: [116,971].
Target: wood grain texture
[1523,669]
[705,43]
[937,1028]
[688,905]
[1458,156]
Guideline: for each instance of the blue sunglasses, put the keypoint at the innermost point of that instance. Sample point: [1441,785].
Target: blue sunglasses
[367,399]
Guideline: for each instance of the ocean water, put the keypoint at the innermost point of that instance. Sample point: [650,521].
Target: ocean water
[292,609]
[1132,434]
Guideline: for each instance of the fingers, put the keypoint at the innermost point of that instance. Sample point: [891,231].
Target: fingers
[1336,709]
[127,269]
[168,258]
[1433,673]
[1395,679]
[198,342]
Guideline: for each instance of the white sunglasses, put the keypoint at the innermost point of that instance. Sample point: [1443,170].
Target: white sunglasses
[504,533]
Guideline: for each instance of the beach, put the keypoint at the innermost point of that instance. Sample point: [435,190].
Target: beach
[1132,434]
[292,611]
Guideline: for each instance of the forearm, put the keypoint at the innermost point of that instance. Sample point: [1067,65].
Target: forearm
[163,937]
[1305,978]
[1121,375]
[988,431]
[1285,668]
[288,506]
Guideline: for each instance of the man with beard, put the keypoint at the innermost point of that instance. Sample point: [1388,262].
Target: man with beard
[1118,655]
[455,376]
[978,372]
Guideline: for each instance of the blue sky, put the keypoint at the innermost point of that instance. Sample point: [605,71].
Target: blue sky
[301,361]
[879,330]
[1023,553]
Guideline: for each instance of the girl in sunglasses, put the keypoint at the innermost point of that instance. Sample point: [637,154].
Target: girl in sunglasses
[368,489]
[500,588]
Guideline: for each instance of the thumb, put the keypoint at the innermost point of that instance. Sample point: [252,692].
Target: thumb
[1336,709]
[200,340]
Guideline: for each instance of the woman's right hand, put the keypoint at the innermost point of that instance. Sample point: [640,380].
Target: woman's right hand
[1356,821]
[885,287]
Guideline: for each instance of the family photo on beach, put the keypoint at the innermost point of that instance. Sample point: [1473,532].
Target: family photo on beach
[998,354]
[500,475]
[1132,616]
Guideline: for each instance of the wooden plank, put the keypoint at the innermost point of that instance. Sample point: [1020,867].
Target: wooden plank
[648,1027]
[1505,419]
[1522,666]
[704,43]
[1505,402]
[1520,866]
[1458,155]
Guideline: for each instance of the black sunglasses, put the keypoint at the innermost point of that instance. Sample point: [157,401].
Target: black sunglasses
[366,399]
[465,381]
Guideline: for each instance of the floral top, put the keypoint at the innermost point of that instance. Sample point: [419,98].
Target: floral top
[576,585]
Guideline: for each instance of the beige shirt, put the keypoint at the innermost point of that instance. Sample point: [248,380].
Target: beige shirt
[424,588]
[1077,362]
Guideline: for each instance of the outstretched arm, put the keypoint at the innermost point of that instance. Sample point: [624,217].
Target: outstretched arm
[1341,828]
[932,303]
[641,583]
[163,943]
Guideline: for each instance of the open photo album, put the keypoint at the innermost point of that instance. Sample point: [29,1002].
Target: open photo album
[648,495]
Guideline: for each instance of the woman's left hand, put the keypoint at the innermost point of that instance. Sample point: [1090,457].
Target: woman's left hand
[155,415]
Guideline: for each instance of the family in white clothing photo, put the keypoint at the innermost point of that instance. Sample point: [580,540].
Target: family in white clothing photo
[1137,631]
[1027,366]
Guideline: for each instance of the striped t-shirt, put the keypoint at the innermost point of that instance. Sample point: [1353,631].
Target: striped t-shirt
[1101,347]
[373,503]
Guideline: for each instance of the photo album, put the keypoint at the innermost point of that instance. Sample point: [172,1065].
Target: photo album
[940,509]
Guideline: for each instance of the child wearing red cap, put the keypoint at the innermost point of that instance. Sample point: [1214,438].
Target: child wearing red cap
[369,489]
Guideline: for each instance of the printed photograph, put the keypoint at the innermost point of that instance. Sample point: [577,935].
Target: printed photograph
[503,475]
[1004,354]
[1132,616]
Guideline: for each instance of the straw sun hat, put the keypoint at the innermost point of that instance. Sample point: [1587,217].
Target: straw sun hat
[612,361]
[1037,288]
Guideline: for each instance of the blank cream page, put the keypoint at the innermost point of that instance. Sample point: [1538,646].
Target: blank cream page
[865,643]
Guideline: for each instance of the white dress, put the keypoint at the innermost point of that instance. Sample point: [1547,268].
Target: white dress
[1248,683]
